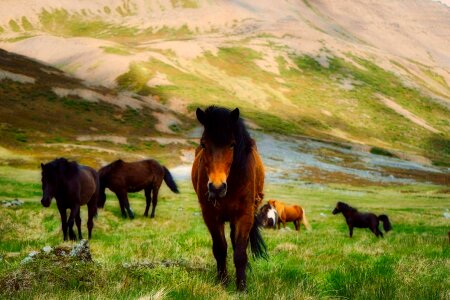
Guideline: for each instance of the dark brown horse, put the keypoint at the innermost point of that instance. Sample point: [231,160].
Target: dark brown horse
[72,185]
[123,178]
[357,219]
[228,177]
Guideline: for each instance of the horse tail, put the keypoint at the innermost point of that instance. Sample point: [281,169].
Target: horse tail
[257,244]
[305,221]
[168,179]
[386,223]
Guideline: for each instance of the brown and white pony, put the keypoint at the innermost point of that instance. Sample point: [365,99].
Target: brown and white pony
[228,177]
[290,213]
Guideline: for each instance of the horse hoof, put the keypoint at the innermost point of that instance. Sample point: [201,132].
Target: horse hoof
[152,216]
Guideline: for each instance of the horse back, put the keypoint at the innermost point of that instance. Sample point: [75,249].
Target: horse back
[135,176]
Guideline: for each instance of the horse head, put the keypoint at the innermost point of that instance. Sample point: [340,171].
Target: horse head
[49,183]
[220,143]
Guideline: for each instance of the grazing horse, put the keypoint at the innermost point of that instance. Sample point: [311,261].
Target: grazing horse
[72,185]
[268,216]
[362,220]
[228,177]
[123,178]
[290,213]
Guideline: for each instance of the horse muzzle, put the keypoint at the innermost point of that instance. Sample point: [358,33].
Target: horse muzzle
[46,202]
[215,191]
[336,211]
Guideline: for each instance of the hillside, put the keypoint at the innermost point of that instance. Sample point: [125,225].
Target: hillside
[303,68]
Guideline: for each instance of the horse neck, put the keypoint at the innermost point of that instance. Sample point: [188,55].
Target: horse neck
[350,212]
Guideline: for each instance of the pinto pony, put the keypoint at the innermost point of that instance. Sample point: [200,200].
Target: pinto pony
[290,213]
[268,216]
[357,219]
[72,186]
[228,177]
[123,178]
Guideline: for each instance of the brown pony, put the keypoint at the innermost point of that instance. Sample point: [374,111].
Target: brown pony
[228,177]
[72,186]
[290,213]
[123,178]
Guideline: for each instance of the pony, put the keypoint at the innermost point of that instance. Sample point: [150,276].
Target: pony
[72,185]
[362,220]
[123,178]
[290,213]
[228,178]
[268,216]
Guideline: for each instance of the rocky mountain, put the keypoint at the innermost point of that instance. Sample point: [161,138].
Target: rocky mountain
[375,74]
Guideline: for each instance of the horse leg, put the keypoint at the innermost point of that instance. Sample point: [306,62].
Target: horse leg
[92,212]
[122,207]
[350,228]
[123,196]
[217,231]
[243,227]
[148,195]
[73,213]
[297,225]
[78,223]
[63,214]
[233,235]
[154,200]
[376,230]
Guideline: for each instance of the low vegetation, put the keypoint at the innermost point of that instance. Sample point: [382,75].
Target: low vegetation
[170,256]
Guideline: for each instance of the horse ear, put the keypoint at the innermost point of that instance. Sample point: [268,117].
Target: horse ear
[201,116]
[42,166]
[234,115]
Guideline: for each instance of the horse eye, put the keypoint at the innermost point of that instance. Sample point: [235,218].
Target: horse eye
[232,145]
[203,145]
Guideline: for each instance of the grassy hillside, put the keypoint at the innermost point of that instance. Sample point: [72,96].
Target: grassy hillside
[301,71]
[170,256]
[39,124]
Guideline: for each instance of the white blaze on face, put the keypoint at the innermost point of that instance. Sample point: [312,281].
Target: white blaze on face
[271,213]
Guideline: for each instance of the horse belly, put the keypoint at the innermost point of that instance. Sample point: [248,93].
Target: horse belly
[291,214]
[87,186]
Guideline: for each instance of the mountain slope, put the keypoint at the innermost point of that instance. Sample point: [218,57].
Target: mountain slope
[378,75]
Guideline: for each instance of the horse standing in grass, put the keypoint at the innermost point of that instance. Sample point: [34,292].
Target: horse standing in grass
[123,178]
[228,177]
[290,213]
[357,219]
[72,186]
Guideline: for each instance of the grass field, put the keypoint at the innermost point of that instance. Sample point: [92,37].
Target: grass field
[170,256]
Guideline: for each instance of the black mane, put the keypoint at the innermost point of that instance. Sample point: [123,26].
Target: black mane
[64,167]
[220,130]
[345,207]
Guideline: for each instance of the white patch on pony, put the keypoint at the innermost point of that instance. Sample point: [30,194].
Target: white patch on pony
[271,213]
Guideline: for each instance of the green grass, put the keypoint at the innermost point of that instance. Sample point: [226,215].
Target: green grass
[411,262]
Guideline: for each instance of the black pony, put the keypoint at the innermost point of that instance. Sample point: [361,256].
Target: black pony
[72,185]
[362,220]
